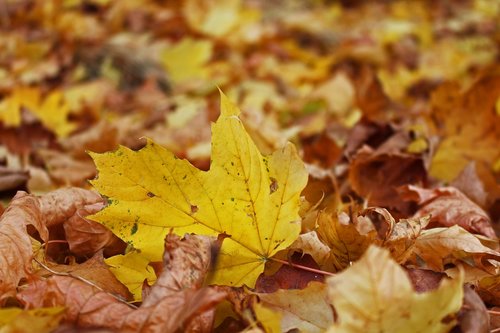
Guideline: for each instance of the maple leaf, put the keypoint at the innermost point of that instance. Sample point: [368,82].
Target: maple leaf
[52,111]
[376,295]
[252,198]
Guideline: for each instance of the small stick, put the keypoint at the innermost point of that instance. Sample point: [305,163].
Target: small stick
[84,281]
[305,268]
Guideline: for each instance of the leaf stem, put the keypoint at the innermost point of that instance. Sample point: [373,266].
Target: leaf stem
[493,312]
[305,268]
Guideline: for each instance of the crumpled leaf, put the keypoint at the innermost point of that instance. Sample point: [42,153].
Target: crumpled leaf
[93,270]
[41,320]
[186,263]
[15,244]
[86,237]
[176,293]
[88,307]
[436,247]
[42,212]
[306,310]
[447,206]
[349,237]
[375,295]
[251,198]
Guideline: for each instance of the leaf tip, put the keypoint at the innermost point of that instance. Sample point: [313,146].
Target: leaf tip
[227,108]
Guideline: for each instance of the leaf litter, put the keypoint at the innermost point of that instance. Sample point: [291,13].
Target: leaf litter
[346,180]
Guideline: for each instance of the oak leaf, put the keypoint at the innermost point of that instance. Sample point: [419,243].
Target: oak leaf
[251,198]
[376,295]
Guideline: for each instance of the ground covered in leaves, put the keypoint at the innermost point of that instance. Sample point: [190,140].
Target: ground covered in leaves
[249,166]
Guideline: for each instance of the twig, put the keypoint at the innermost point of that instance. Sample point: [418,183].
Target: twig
[305,268]
[90,283]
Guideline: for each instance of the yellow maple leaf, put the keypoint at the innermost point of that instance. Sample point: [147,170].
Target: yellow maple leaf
[376,295]
[252,198]
[132,269]
[52,111]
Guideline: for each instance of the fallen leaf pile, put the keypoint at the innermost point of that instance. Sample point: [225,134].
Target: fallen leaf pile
[249,166]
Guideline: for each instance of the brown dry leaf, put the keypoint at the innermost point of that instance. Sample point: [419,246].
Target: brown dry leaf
[186,263]
[377,175]
[447,207]
[42,212]
[473,317]
[57,206]
[349,237]
[310,244]
[15,244]
[95,271]
[342,236]
[435,248]
[86,237]
[305,310]
[174,303]
[88,307]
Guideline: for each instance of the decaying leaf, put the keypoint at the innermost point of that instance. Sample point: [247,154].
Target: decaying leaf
[251,198]
[86,237]
[306,310]
[349,237]
[15,244]
[375,295]
[88,307]
[41,212]
[186,263]
[447,206]
[93,270]
[436,247]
